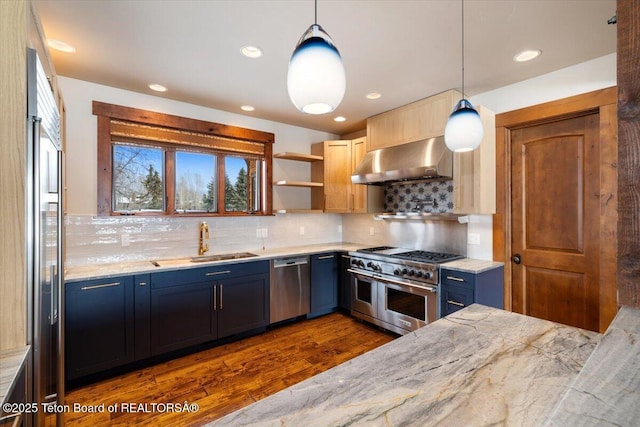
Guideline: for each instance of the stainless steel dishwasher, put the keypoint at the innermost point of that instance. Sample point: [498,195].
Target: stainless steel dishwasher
[289,288]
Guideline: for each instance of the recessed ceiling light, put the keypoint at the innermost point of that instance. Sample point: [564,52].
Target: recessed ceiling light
[374,95]
[251,51]
[339,119]
[247,108]
[527,55]
[157,87]
[61,46]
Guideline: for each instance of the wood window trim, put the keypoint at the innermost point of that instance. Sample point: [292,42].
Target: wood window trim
[108,113]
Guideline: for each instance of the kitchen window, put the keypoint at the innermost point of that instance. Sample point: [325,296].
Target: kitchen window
[157,164]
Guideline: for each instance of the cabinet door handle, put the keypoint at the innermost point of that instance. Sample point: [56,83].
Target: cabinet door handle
[214,297]
[326,257]
[142,284]
[106,285]
[220,296]
[215,273]
[457,279]
[459,304]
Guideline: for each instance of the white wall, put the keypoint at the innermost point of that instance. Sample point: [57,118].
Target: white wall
[82,137]
[82,174]
[92,239]
[599,73]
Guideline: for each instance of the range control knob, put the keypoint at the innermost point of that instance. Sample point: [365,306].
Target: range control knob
[404,271]
[397,272]
[428,275]
[419,274]
[412,272]
[360,263]
[377,268]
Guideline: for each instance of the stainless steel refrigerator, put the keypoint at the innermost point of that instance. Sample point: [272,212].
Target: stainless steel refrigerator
[44,247]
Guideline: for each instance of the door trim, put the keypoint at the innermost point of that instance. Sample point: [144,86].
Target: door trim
[604,102]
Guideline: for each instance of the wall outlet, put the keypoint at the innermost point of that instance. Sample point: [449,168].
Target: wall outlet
[258,233]
[261,233]
[339,229]
[371,231]
[473,238]
[302,231]
[125,240]
[265,232]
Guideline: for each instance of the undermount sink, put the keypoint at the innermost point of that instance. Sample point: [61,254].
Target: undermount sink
[222,257]
[178,262]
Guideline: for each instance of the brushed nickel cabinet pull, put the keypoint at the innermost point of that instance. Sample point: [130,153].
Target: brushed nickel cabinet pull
[459,304]
[326,257]
[214,297]
[220,296]
[215,273]
[457,279]
[106,285]
[142,283]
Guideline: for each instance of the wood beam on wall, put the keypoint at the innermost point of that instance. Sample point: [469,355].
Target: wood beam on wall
[628,16]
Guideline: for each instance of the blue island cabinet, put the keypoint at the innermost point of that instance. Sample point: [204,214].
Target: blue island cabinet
[324,283]
[99,325]
[194,306]
[460,288]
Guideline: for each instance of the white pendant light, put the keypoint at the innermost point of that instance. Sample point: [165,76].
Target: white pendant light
[316,80]
[464,129]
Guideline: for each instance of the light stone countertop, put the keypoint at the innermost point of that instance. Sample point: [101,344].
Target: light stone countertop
[607,391]
[479,366]
[11,362]
[471,265]
[102,271]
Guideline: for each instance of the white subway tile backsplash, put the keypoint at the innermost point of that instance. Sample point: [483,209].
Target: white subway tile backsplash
[96,240]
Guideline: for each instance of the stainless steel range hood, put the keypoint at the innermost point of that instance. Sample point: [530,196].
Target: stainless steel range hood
[420,160]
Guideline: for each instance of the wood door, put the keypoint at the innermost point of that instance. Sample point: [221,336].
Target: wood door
[555,221]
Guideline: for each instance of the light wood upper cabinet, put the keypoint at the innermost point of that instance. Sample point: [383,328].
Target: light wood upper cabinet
[474,172]
[419,120]
[335,173]
[339,195]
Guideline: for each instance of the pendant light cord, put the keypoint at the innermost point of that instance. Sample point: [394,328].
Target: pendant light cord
[315,19]
[463,97]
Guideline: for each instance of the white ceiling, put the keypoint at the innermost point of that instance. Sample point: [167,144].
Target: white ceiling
[406,50]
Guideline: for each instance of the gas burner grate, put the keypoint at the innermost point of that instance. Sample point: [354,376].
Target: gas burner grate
[375,249]
[427,256]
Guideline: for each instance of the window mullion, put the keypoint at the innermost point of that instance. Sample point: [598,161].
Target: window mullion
[221,184]
[170,181]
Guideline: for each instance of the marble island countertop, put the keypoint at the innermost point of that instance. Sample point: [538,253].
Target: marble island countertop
[96,271]
[477,367]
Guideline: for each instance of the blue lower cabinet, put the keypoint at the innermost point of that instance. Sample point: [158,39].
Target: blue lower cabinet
[182,316]
[344,283]
[324,283]
[99,325]
[459,289]
[226,300]
[116,321]
[142,316]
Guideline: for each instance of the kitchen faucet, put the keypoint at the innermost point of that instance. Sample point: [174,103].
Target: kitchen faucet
[204,235]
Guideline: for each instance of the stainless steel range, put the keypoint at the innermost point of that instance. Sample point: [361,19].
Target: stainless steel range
[396,288]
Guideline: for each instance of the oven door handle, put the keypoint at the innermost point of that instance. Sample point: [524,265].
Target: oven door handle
[369,275]
[389,280]
[398,282]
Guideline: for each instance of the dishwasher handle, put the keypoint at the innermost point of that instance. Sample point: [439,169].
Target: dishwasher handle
[289,262]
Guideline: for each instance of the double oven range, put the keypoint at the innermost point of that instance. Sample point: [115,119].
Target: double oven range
[395,288]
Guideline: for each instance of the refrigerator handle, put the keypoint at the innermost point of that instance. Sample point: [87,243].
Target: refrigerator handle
[54,294]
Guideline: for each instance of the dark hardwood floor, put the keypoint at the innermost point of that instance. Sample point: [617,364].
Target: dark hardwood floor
[223,379]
